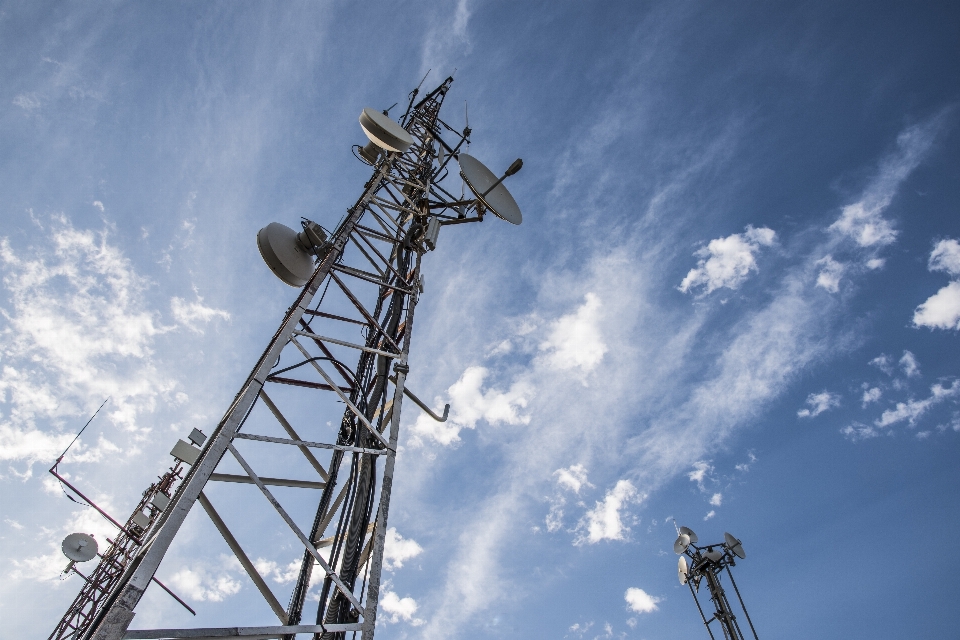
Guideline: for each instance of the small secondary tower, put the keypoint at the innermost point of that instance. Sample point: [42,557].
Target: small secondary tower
[707,563]
[331,380]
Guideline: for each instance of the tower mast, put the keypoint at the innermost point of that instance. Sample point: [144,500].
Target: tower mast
[368,277]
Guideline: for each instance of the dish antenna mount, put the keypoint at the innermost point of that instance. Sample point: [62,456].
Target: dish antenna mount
[707,564]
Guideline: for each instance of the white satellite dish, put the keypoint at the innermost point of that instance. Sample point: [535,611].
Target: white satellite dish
[682,570]
[735,546]
[284,254]
[480,180]
[683,541]
[384,134]
[689,532]
[79,547]
[713,555]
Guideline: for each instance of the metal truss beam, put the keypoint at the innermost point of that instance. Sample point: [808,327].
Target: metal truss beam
[374,260]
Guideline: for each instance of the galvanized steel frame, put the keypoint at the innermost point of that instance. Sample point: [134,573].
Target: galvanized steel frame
[396,202]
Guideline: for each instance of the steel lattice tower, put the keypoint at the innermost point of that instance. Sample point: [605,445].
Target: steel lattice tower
[707,564]
[371,264]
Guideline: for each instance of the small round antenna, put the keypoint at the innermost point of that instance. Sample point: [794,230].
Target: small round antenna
[682,570]
[689,532]
[734,545]
[284,254]
[384,134]
[683,541]
[489,189]
[713,555]
[79,547]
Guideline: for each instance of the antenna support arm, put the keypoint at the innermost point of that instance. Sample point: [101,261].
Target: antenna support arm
[417,401]
[512,169]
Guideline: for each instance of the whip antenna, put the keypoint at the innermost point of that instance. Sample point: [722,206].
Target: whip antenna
[82,430]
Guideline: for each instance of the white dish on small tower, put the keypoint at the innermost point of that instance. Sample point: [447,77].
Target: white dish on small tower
[735,546]
[683,541]
[682,570]
[479,178]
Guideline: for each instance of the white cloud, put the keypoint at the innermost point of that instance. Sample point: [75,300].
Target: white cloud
[862,221]
[726,262]
[580,629]
[829,276]
[398,608]
[882,362]
[193,314]
[575,340]
[716,500]
[871,395]
[281,574]
[572,478]
[656,418]
[554,519]
[448,39]
[912,410]
[946,257]
[98,205]
[700,471]
[743,467]
[27,101]
[75,331]
[639,601]
[941,310]
[909,364]
[397,550]
[469,404]
[200,585]
[709,515]
[819,402]
[859,431]
[603,522]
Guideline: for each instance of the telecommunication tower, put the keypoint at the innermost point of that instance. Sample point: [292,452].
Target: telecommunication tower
[707,563]
[362,279]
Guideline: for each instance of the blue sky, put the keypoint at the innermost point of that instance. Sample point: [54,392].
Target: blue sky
[732,301]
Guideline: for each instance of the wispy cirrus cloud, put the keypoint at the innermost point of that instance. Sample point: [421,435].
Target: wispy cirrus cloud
[77,329]
[862,221]
[662,424]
